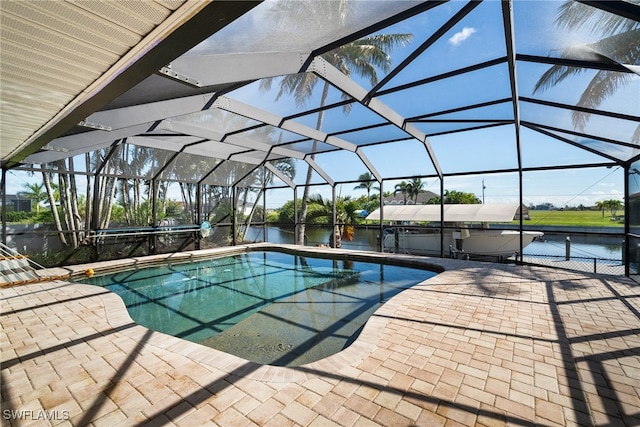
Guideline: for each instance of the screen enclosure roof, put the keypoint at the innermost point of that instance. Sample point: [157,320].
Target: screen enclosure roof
[462,86]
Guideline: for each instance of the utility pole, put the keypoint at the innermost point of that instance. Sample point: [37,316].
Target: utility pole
[483,187]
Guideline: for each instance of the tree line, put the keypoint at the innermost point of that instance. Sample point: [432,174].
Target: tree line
[122,194]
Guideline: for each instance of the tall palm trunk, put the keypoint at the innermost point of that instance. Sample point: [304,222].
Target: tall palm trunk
[305,194]
[128,211]
[62,195]
[108,192]
[52,202]
[135,211]
[73,200]
[249,218]
[101,199]
[87,208]
[66,203]
[104,193]
[161,189]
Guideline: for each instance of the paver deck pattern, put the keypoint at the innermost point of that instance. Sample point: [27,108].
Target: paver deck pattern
[478,344]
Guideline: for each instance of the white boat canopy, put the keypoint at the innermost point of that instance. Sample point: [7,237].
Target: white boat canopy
[503,212]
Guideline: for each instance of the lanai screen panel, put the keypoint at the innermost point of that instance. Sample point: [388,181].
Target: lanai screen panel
[343,118]
[277,26]
[535,147]
[186,167]
[400,159]
[490,149]
[216,119]
[591,102]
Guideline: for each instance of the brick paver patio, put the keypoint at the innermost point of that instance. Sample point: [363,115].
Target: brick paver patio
[479,344]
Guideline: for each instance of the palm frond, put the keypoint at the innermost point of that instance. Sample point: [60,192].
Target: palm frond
[317,199]
[364,55]
[635,139]
[574,15]
[300,85]
[265,84]
[287,166]
[386,42]
[602,85]
[623,48]
[554,75]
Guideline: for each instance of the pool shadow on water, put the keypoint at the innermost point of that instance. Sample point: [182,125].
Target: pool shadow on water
[300,329]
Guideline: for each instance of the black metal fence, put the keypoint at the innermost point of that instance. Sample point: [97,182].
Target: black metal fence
[578,263]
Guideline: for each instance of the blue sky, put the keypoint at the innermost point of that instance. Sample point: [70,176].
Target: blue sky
[471,41]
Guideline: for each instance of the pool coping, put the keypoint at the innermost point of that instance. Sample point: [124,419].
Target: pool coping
[118,317]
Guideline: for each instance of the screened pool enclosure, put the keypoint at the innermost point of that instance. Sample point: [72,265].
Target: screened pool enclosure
[128,130]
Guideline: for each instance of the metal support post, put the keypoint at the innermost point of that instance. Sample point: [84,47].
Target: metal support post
[234,207]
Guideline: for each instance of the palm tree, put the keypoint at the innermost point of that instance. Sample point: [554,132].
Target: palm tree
[621,43]
[601,207]
[363,57]
[34,192]
[415,187]
[613,205]
[346,215]
[456,197]
[366,183]
[404,187]
[52,196]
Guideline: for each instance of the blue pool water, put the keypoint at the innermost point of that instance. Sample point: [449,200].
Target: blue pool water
[268,307]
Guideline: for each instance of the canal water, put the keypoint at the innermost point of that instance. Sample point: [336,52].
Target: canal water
[601,247]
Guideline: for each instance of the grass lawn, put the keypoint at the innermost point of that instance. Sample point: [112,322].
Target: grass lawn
[576,218]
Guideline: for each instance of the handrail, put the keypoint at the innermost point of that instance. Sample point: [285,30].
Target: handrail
[116,232]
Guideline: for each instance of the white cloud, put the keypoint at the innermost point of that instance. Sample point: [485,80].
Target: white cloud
[461,36]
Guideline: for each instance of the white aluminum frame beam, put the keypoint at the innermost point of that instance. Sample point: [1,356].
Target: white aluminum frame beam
[214,149]
[334,76]
[229,68]
[280,175]
[320,172]
[125,117]
[369,165]
[151,141]
[235,140]
[251,112]
[86,141]
[247,158]
[65,147]
[217,69]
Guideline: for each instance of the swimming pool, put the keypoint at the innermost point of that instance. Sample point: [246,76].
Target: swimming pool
[268,307]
